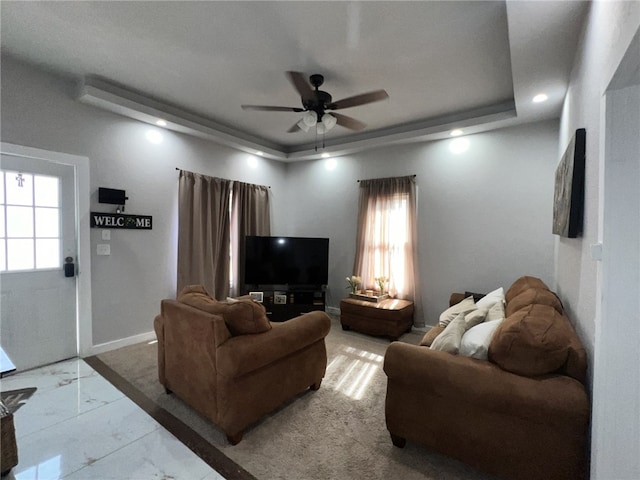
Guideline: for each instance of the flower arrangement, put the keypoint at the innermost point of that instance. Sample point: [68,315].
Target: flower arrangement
[352,283]
[380,281]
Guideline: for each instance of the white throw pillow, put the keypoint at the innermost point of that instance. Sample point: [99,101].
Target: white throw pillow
[465,306]
[491,298]
[449,339]
[495,313]
[475,342]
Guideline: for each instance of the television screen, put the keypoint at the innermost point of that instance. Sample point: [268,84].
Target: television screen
[286,261]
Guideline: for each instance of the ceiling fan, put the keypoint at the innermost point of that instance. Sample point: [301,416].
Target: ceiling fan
[319,106]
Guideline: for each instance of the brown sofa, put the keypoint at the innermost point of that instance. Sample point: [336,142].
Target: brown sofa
[228,362]
[523,414]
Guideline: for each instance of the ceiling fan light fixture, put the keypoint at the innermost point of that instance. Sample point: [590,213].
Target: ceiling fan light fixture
[310,119]
[303,126]
[329,121]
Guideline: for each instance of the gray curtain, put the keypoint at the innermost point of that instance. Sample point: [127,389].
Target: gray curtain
[250,216]
[387,239]
[203,232]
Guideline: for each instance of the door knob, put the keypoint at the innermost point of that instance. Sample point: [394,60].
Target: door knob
[69,267]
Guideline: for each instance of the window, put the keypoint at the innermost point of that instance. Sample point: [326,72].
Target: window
[387,246]
[386,241]
[29,222]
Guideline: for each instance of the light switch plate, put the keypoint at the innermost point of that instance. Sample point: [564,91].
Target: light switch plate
[103,249]
[106,234]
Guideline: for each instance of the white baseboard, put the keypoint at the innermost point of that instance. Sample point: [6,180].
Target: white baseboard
[123,342]
[333,310]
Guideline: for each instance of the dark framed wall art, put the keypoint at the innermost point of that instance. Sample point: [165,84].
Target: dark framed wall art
[568,201]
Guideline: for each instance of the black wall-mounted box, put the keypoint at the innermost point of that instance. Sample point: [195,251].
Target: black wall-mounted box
[112,196]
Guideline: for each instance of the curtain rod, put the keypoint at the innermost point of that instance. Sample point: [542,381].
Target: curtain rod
[412,176]
[268,186]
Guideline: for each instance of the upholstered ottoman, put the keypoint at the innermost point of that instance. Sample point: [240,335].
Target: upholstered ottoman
[390,318]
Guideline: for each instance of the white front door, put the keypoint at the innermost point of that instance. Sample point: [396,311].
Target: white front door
[38,322]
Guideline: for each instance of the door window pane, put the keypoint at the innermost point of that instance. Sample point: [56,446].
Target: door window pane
[20,254]
[19,222]
[16,194]
[46,191]
[3,257]
[47,253]
[29,235]
[47,224]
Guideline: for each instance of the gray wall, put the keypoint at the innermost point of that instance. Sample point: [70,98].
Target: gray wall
[611,340]
[38,110]
[484,216]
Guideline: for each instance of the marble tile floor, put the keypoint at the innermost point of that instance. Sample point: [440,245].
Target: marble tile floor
[78,426]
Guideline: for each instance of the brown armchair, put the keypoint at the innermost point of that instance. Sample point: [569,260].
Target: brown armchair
[235,379]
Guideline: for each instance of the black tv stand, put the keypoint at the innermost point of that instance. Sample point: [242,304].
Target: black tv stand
[292,301]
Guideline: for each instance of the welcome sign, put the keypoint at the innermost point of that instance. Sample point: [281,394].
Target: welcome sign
[120,220]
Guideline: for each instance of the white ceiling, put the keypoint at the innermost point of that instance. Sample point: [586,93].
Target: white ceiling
[473,64]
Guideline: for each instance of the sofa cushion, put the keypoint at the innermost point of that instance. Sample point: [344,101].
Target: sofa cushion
[522,284]
[242,316]
[475,342]
[465,306]
[533,295]
[533,341]
[449,339]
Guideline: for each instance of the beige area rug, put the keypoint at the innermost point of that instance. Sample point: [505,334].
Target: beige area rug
[337,432]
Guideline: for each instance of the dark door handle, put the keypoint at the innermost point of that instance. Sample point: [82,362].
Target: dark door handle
[69,267]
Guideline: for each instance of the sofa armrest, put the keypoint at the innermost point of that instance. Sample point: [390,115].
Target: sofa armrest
[546,399]
[245,353]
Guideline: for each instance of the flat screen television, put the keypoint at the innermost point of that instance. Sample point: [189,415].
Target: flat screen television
[293,261]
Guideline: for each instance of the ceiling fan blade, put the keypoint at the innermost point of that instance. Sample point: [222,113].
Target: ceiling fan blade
[348,122]
[268,108]
[361,99]
[294,128]
[299,81]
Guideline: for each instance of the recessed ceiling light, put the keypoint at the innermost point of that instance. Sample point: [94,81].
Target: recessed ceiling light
[456,133]
[541,97]
[161,123]
[325,155]
[259,152]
